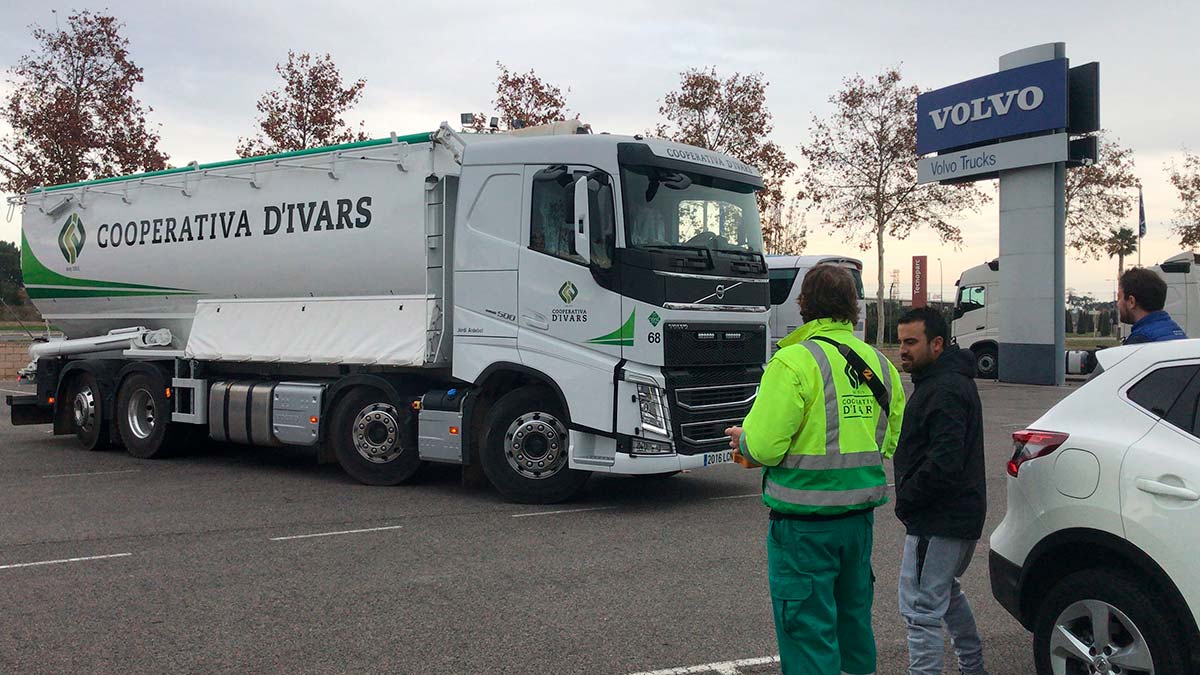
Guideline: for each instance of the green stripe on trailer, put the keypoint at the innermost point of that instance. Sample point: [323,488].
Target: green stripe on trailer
[424,137]
[35,274]
[39,293]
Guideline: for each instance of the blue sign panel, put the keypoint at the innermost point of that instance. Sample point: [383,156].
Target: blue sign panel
[1009,103]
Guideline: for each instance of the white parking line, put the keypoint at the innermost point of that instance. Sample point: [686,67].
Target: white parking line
[331,534]
[722,668]
[93,473]
[554,513]
[65,560]
[717,499]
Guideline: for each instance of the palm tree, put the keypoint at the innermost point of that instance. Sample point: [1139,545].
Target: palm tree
[1120,243]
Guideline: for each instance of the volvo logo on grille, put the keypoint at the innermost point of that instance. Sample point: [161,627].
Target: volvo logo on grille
[720,291]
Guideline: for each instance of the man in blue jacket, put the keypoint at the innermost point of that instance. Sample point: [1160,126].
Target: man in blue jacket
[1141,295]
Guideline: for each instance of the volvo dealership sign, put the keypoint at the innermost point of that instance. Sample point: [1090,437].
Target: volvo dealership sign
[1013,102]
[985,160]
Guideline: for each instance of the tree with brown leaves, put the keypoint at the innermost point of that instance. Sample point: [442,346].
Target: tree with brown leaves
[528,98]
[523,100]
[72,110]
[307,112]
[861,170]
[1099,197]
[1186,179]
[730,115]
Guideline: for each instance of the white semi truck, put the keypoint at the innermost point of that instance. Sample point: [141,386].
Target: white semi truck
[977,313]
[976,325]
[543,305]
[787,274]
[1182,274]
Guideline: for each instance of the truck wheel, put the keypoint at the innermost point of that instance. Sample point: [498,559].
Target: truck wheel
[374,442]
[87,416]
[1100,622]
[987,363]
[525,450]
[143,416]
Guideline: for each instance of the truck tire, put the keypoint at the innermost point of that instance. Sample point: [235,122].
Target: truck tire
[375,443]
[143,417]
[1066,638]
[525,451]
[987,363]
[87,412]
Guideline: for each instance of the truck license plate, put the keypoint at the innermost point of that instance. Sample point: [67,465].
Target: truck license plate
[722,457]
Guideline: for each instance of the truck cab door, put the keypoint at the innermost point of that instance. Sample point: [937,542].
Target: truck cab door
[569,326]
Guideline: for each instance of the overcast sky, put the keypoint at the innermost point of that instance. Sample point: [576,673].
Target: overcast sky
[206,64]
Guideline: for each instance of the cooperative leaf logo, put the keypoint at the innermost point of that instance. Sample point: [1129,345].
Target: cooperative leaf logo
[568,292]
[654,318]
[71,238]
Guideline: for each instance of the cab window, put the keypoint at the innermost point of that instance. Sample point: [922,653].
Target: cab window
[552,216]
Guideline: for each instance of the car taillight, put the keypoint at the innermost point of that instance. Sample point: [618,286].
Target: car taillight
[1030,444]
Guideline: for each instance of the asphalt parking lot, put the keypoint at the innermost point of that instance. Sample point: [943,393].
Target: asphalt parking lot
[244,560]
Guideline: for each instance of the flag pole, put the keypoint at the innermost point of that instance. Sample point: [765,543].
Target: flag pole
[1141,224]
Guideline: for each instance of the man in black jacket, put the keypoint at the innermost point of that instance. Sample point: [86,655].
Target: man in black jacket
[941,493]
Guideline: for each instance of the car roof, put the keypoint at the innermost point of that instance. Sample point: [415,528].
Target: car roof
[1139,356]
[784,261]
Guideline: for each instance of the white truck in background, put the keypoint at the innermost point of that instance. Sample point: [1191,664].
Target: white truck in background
[544,305]
[1182,274]
[976,324]
[787,274]
[977,313]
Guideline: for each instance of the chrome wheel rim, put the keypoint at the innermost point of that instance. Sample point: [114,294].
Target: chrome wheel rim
[987,363]
[1095,638]
[142,414]
[84,409]
[535,445]
[377,433]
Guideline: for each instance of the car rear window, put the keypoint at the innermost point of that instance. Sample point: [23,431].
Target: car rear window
[1158,390]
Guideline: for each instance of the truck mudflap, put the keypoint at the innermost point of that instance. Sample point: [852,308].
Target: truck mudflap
[27,410]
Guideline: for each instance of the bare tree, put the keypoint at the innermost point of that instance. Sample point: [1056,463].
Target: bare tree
[1099,197]
[730,115]
[861,171]
[307,112]
[1186,179]
[785,231]
[72,109]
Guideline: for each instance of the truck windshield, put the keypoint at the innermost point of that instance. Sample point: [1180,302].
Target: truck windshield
[672,209]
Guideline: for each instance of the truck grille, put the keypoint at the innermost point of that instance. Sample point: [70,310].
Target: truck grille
[712,398]
[714,344]
[706,401]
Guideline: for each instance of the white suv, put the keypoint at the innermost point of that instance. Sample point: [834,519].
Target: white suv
[1099,551]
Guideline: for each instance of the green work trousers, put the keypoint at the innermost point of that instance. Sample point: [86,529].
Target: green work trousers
[822,588]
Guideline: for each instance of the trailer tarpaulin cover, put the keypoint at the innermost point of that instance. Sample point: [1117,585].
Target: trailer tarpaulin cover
[388,330]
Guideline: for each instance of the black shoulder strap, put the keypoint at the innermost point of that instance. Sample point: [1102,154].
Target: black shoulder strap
[863,373]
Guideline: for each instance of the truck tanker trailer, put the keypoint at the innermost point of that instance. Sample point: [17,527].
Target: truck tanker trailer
[542,305]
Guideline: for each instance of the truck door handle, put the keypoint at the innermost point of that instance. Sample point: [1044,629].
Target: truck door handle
[1162,489]
[535,320]
[980,327]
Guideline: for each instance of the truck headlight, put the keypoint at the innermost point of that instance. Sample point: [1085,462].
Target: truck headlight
[652,402]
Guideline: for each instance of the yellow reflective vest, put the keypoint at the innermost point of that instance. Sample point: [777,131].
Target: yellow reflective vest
[820,437]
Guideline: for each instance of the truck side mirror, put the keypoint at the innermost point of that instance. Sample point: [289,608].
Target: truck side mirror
[583,236]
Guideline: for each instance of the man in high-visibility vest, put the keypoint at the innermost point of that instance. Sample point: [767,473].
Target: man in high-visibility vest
[828,411]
